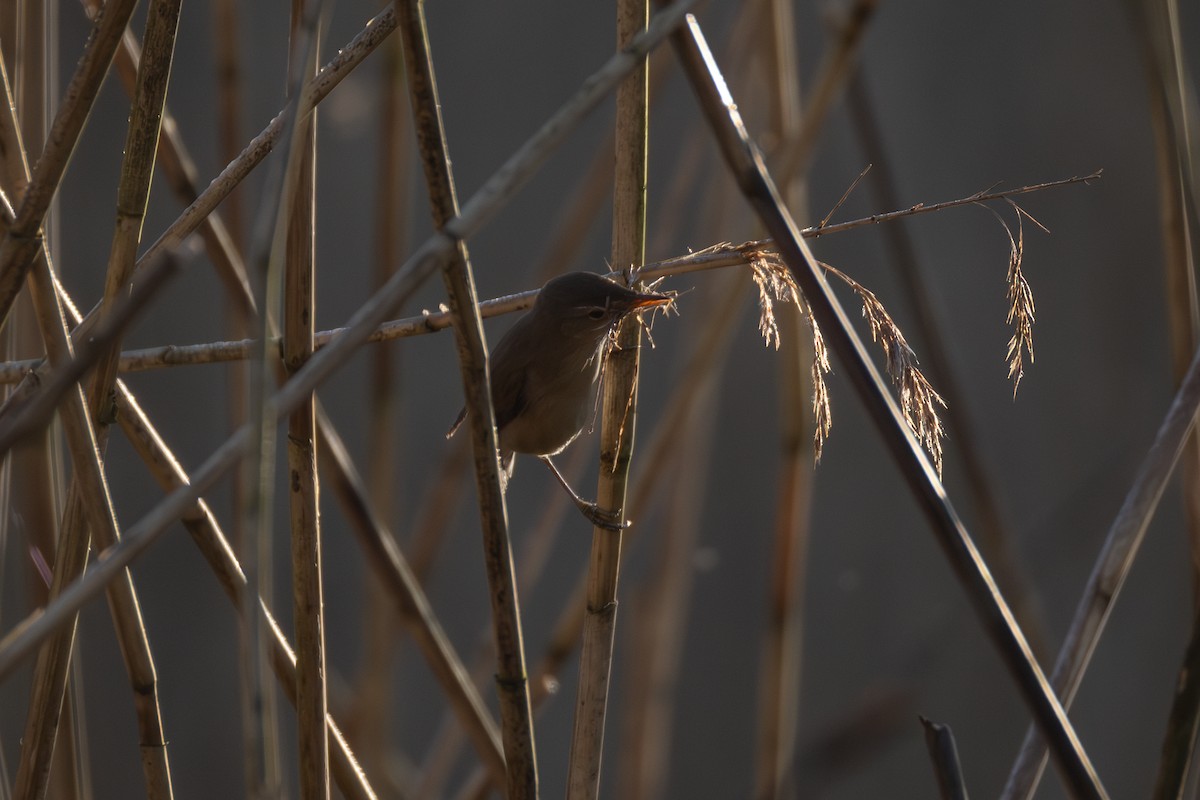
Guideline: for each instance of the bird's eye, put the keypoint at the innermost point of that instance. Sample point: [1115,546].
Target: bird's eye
[596,313]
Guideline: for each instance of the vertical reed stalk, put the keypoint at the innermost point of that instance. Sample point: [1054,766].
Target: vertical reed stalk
[516,717]
[618,420]
[304,488]
[372,701]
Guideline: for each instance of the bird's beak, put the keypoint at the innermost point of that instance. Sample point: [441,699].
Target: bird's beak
[649,301]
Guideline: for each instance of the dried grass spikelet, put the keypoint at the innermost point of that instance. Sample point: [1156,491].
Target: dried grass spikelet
[775,283]
[1020,295]
[822,417]
[611,342]
[918,400]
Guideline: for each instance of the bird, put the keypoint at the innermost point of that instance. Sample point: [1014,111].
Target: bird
[545,371]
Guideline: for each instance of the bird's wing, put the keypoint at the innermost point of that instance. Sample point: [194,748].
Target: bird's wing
[508,393]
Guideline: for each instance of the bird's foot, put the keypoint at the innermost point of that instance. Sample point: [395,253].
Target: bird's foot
[603,518]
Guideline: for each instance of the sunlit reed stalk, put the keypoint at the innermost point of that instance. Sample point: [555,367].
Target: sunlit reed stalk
[618,420]
[272,250]
[299,311]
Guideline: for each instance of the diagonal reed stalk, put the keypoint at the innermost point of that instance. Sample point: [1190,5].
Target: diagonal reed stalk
[299,308]
[746,165]
[516,717]
[618,420]
[1111,569]
[22,240]
[1173,120]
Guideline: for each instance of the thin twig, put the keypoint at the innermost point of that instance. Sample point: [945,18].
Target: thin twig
[715,257]
[995,539]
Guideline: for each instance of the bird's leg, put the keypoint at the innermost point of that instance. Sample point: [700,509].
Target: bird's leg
[596,515]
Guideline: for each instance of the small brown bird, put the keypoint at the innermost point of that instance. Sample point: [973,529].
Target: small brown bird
[545,371]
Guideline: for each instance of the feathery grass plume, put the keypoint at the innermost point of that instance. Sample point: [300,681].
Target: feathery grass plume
[918,400]
[822,416]
[1020,295]
[1020,300]
[775,282]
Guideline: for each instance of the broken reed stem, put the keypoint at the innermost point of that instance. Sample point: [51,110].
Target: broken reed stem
[943,752]
[743,159]
[133,191]
[413,606]
[618,419]
[516,715]
[299,312]
[23,239]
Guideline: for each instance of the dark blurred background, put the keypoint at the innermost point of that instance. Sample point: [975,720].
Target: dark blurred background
[966,95]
